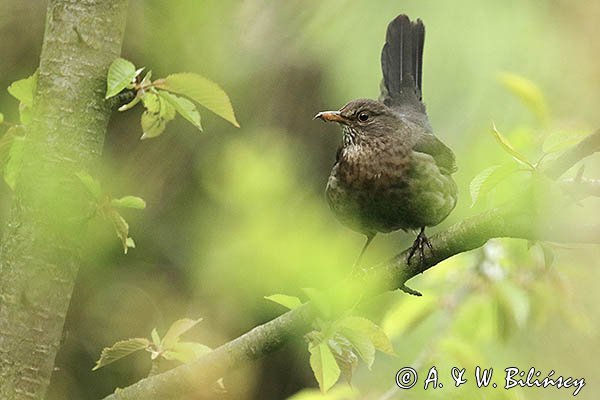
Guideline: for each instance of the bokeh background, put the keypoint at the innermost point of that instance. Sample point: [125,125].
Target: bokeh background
[237,214]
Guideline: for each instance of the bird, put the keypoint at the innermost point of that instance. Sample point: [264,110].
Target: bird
[391,172]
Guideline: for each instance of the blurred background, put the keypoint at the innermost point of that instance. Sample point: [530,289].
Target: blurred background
[237,214]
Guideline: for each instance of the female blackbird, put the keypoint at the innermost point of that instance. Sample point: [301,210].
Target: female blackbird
[391,172]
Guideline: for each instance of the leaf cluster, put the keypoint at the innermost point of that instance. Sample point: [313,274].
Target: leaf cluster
[164,98]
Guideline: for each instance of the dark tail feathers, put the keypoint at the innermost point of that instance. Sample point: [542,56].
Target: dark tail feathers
[402,59]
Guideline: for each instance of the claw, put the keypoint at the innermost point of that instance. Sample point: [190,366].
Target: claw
[419,244]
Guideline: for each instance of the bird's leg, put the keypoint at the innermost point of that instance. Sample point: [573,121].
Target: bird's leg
[370,237]
[419,244]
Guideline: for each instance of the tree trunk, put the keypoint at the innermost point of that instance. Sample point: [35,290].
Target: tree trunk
[39,253]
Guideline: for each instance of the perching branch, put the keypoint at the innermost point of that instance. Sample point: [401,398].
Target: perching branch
[509,221]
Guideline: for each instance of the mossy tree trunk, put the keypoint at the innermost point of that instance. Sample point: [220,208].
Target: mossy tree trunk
[39,253]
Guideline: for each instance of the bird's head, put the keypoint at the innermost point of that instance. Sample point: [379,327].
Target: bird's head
[362,118]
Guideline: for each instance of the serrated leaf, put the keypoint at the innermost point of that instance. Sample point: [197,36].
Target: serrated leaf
[520,158]
[289,302]
[203,91]
[562,140]
[121,74]
[177,329]
[184,107]
[91,184]
[24,89]
[528,92]
[373,331]
[119,350]
[324,366]
[186,352]
[14,161]
[488,179]
[129,202]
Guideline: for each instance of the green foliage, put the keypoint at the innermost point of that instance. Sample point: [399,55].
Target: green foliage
[24,90]
[121,75]
[13,141]
[106,207]
[159,100]
[203,91]
[129,202]
[337,345]
[509,148]
[289,302]
[170,347]
[119,350]
[184,107]
[324,366]
[11,153]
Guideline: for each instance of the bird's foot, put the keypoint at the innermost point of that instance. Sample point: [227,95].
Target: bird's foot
[419,245]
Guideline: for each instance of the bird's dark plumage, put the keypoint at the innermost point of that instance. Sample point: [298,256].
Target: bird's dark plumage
[391,171]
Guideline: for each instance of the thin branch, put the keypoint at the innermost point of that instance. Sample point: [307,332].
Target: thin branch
[583,149]
[515,221]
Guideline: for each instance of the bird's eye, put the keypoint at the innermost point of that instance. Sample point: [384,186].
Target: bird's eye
[363,116]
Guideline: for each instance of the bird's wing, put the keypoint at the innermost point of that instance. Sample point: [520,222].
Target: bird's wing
[443,156]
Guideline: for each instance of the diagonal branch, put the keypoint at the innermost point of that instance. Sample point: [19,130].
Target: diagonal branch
[515,221]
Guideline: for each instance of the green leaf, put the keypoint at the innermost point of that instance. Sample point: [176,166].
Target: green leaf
[122,229]
[11,153]
[24,90]
[155,338]
[186,352]
[528,92]
[289,302]
[15,159]
[562,140]
[324,366]
[121,74]
[203,91]
[184,107]
[362,344]
[129,202]
[374,332]
[119,350]
[1,118]
[91,184]
[520,158]
[488,179]
[152,125]
[177,329]
[344,355]
[158,113]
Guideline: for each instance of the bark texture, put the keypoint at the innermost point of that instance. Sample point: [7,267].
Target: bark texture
[39,256]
